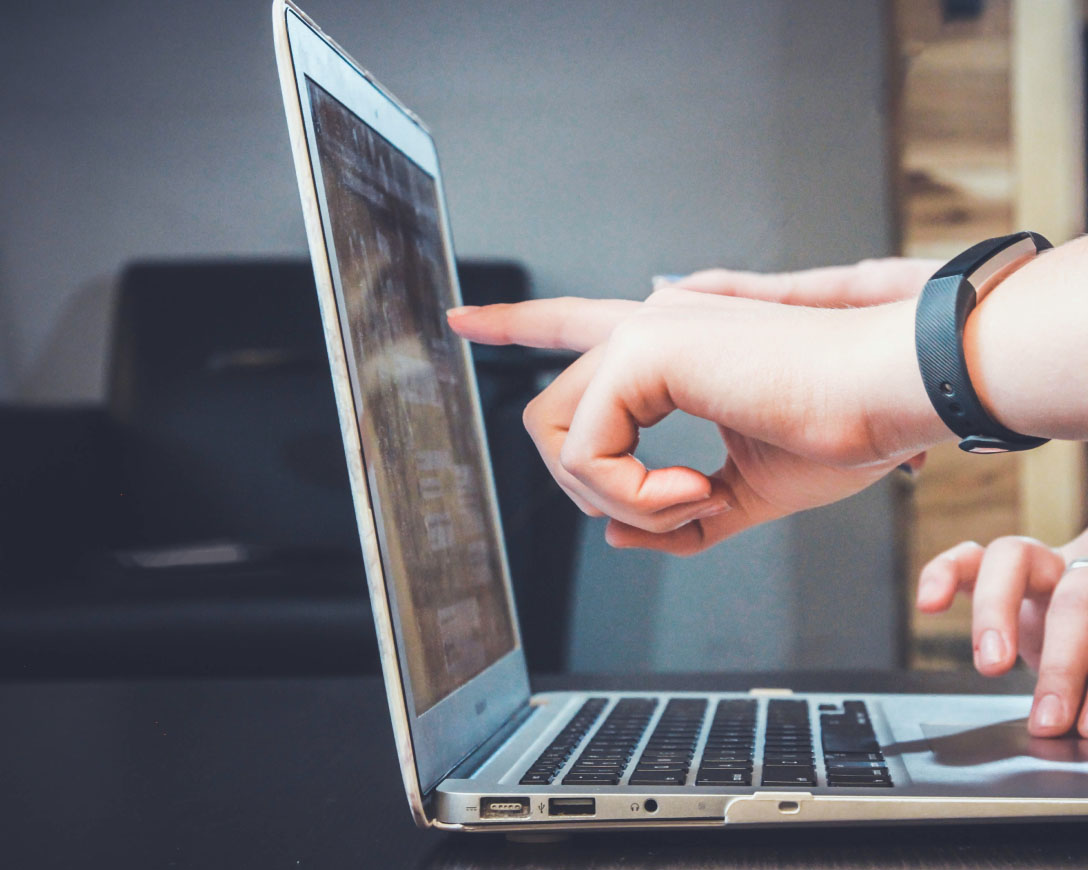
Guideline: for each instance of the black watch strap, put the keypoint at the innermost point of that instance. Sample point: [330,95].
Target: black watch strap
[948,297]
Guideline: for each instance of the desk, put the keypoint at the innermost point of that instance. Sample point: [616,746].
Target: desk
[302,774]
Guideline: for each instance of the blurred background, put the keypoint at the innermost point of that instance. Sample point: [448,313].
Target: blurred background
[172,485]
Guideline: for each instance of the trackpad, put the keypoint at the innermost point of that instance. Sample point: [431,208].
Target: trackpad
[959,745]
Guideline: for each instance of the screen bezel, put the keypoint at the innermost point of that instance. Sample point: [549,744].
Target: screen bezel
[437,739]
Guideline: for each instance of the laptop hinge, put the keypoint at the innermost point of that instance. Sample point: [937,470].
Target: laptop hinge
[475,759]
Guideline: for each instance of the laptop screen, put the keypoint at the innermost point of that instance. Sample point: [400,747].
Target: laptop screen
[424,457]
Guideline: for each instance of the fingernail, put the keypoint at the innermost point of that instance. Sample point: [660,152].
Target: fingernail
[929,592]
[713,510]
[663,280]
[1049,712]
[991,648]
[464,309]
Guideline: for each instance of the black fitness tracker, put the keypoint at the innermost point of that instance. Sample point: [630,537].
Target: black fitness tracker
[948,297]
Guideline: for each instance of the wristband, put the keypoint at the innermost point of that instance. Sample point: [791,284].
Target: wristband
[946,300]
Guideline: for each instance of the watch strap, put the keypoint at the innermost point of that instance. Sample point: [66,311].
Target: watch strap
[943,306]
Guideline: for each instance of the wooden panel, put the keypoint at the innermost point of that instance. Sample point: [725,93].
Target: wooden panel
[1049,154]
[958,187]
[991,140]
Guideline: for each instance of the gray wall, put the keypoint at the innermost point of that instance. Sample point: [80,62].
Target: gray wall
[599,143]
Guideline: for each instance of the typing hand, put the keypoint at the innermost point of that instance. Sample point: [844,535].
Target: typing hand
[1024,602]
[812,405]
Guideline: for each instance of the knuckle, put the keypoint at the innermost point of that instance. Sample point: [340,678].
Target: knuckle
[659,525]
[643,320]
[1008,544]
[1068,597]
[530,417]
[1013,550]
[1060,673]
[574,459]
[954,556]
[688,548]
[694,541]
[500,316]
[666,295]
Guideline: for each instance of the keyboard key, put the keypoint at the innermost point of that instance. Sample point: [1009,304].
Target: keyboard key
[845,766]
[725,769]
[844,775]
[591,779]
[849,742]
[658,777]
[725,760]
[859,781]
[776,775]
[854,756]
[724,777]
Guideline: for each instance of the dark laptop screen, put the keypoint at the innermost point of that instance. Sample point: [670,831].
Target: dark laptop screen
[417,420]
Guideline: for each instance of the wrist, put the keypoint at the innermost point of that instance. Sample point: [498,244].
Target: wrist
[900,416]
[1018,374]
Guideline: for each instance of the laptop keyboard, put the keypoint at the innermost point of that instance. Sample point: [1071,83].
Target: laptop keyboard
[787,745]
[555,756]
[667,756]
[851,753]
[605,757]
[727,756]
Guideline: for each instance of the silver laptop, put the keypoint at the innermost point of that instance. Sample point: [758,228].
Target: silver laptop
[477,750]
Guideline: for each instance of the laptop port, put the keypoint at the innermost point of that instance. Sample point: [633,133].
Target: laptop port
[503,807]
[572,806]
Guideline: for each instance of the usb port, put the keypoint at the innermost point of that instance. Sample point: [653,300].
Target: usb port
[572,806]
[504,807]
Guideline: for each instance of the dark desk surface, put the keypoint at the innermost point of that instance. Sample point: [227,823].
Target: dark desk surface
[302,774]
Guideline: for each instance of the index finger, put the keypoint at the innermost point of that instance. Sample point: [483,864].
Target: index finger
[567,322]
[1012,568]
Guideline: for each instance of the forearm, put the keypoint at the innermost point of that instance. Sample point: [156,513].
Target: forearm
[1027,350]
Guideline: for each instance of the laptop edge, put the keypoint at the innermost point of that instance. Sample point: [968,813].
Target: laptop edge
[441,740]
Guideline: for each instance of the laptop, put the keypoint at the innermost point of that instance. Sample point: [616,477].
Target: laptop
[478,751]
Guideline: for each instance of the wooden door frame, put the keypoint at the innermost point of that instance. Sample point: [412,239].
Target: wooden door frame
[1049,155]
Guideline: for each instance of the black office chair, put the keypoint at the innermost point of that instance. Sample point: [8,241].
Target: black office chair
[213,532]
